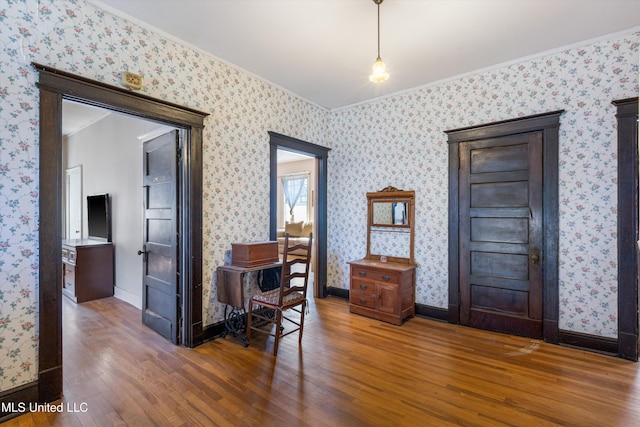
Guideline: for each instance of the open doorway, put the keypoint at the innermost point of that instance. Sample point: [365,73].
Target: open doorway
[102,154]
[320,154]
[296,202]
[56,86]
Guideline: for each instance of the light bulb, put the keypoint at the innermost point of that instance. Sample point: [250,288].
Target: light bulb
[379,72]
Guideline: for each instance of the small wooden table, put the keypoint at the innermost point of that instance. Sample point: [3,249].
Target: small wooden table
[231,292]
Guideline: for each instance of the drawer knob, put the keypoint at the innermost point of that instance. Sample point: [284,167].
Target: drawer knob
[362,273]
[363,301]
[363,286]
[386,277]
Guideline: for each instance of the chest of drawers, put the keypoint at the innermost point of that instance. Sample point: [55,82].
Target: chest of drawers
[383,291]
[87,269]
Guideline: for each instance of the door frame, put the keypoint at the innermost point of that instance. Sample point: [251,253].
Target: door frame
[54,86]
[548,124]
[627,119]
[321,153]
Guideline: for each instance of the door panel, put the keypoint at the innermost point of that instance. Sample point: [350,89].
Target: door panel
[502,265]
[499,194]
[500,200]
[160,270]
[496,299]
[388,295]
[508,230]
[500,159]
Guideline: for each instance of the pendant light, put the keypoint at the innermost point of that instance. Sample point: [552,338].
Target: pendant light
[379,74]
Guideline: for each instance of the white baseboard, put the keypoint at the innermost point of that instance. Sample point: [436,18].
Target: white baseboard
[126,296]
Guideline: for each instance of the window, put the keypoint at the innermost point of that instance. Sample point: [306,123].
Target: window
[296,191]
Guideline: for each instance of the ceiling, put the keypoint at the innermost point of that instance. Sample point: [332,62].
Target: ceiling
[76,117]
[322,50]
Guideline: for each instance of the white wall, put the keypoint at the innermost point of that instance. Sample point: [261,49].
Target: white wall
[110,152]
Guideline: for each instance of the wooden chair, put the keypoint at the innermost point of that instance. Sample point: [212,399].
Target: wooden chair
[269,307]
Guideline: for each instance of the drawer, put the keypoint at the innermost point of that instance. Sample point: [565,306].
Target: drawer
[362,299]
[383,276]
[68,255]
[359,285]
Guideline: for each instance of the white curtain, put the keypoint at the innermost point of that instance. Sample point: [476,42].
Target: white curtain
[294,187]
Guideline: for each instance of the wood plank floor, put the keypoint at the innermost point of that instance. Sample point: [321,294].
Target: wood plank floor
[352,371]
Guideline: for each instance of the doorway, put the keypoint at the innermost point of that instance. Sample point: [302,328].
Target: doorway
[503,277]
[296,202]
[107,148]
[293,145]
[56,86]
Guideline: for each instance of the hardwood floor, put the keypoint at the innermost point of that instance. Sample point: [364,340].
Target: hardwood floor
[351,371]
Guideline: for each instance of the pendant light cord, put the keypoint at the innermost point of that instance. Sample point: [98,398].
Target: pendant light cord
[378,3]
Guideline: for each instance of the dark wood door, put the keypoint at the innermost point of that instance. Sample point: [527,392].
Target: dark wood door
[500,240]
[160,309]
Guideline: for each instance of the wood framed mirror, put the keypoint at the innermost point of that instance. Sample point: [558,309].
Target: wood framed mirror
[390,225]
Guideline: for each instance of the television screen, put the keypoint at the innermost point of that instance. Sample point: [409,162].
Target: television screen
[99,217]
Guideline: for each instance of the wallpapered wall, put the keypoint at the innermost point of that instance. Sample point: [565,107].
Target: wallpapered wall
[77,37]
[396,140]
[400,141]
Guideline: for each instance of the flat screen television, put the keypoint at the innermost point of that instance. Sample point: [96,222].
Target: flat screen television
[99,217]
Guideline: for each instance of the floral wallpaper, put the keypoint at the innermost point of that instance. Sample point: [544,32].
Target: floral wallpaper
[397,141]
[77,37]
[400,141]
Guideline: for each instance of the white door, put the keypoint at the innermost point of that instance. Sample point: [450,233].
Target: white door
[73,212]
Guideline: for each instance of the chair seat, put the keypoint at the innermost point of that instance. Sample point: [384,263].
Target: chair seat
[271,298]
[271,306]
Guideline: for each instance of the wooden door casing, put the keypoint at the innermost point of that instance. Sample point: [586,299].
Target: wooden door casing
[55,86]
[547,124]
[627,119]
[500,221]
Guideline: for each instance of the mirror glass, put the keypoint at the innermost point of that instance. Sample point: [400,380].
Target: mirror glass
[390,243]
[390,214]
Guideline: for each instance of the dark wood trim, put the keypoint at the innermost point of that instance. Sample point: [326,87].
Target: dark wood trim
[505,127]
[454,235]
[605,345]
[24,394]
[115,98]
[55,86]
[321,154]
[548,123]
[338,292]
[627,117]
[434,313]
[50,243]
[551,231]
[214,330]
[191,204]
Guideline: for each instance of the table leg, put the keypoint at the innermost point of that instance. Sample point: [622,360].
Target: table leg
[234,322]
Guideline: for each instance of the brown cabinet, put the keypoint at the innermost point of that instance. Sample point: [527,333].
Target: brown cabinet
[382,285]
[383,291]
[87,269]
